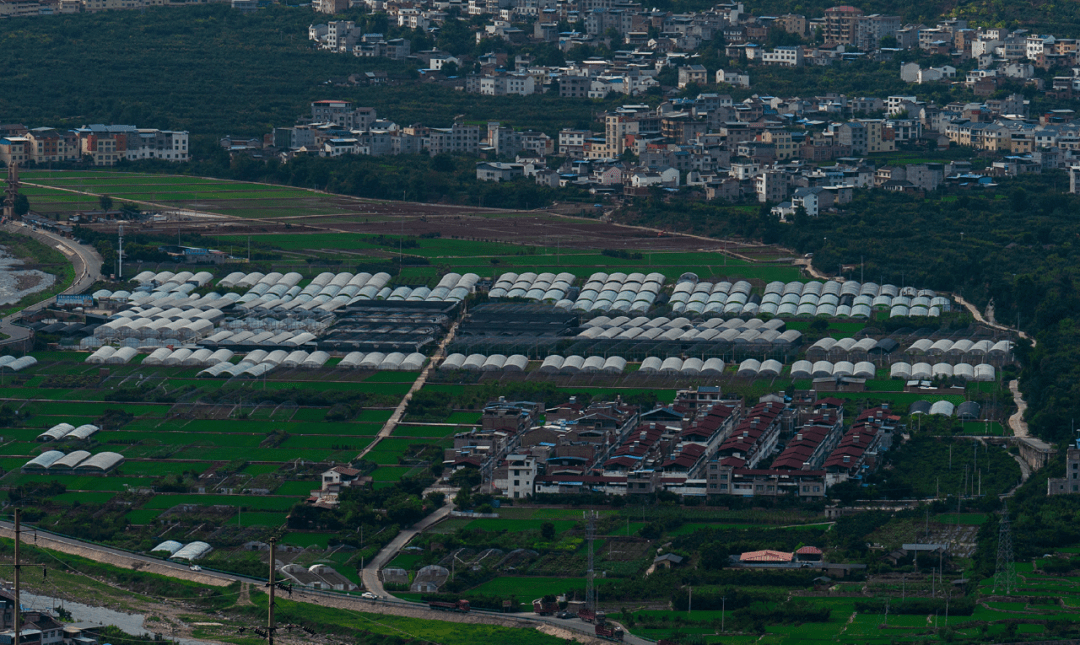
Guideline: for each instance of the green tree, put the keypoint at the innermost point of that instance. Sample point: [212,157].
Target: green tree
[22,205]
[547,531]
[105,202]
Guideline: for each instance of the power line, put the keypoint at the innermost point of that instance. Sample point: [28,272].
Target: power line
[1005,575]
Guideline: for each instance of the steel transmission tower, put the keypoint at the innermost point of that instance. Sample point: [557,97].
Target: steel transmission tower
[1005,576]
[590,588]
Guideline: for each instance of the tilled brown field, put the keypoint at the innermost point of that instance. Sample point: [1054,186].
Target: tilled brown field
[573,226]
[531,228]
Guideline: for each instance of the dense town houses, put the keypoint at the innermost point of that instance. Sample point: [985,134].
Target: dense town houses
[101,145]
[765,149]
[702,445]
[796,154]
[25,8]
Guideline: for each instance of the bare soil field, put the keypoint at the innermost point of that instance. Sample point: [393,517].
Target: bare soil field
[533,228]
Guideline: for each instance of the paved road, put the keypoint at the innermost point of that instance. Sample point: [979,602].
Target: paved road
[370,573]
[393,606]
[120,558]
[85,260]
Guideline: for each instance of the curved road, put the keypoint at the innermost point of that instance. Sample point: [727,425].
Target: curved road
[391,605]
[370,573]
[85,260]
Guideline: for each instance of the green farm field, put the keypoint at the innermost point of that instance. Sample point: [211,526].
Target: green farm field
[265,503]
[158,445]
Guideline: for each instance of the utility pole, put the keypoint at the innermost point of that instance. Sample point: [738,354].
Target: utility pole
[941,569]
[120,253]
[590,574]
[18,606]
[723,612]
[270,615]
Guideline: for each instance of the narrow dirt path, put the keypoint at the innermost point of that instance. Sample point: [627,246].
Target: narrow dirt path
[395,418]
[1016,421]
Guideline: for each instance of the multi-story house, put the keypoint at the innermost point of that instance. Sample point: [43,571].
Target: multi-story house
[516,476]
[871,29]
[507,83]
[783,56]
[14,150]
[693,74]
[572,142]
[343,114]
[459,138]
[841,25]
[46,145]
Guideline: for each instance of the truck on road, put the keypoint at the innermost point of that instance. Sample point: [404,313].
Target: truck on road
[459,606]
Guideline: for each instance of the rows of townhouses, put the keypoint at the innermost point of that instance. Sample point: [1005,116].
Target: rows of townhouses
[102,145]
[702,445]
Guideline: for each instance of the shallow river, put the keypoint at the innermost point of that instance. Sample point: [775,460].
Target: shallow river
[130,623]
[16,283]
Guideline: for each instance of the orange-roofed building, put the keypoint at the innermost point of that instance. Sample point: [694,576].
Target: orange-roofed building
[766,555]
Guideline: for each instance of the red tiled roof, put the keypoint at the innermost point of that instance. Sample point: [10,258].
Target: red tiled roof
[624,461]
[766,555]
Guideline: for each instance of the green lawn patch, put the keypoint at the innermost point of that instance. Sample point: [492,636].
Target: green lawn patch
[389,473]
[142,516]
[308,539]
[310,414]
[254,502]
[376,416]
[84,498]
[465,417]
[296,488]
[519,526]
[433,432]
